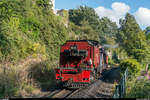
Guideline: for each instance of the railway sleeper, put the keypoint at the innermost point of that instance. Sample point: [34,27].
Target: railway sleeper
[104,93]
[75,85]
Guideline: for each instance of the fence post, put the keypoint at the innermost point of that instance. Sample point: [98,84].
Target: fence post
[126,76]
[4,76]
[116,95]
[120,91]
[125,85]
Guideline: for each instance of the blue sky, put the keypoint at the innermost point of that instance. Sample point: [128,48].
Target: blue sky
[112,8]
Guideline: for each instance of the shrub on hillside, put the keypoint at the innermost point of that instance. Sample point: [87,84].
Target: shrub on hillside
[26,23]
[132,65]
[10,81]
[138,89]
[28,28]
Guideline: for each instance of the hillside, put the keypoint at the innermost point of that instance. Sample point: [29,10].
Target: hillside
[27,29]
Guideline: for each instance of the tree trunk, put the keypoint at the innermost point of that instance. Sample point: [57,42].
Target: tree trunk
[146,69]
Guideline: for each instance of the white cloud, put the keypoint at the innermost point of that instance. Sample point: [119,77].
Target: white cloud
[118,11]
[142,16]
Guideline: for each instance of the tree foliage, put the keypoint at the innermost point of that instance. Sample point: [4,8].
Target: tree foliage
[147,33]
[25,24]
[83,13]
[132,39]
[132,65]
[88,25]
[107,31]
[85,22]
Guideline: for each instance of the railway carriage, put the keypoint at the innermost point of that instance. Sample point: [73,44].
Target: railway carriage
[81,62]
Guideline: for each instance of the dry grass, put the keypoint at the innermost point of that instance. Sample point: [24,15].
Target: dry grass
[17,80]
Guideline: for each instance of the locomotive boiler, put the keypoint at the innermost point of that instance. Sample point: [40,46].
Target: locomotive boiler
[81,62]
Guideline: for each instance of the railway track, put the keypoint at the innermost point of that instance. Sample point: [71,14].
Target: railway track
[65,93]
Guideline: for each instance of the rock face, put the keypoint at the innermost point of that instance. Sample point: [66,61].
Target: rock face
[103,88]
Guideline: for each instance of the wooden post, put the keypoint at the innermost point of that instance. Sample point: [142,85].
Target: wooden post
[4,87]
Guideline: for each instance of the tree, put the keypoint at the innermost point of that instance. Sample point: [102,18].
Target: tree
[83,13]
[132,39]
[108,31]
[87,32]
[86,22]
[147,30]
[147,33]
[84,17]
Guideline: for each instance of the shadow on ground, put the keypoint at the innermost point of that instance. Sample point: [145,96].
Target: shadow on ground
[112,75]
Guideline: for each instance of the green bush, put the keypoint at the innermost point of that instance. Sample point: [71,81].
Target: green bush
[132,65]
[25,24]
[138,88]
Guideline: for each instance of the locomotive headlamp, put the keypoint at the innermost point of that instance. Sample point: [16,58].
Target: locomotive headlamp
[71,47]
[74,47]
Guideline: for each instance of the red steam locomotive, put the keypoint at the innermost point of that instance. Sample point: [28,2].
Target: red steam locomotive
[81,62]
